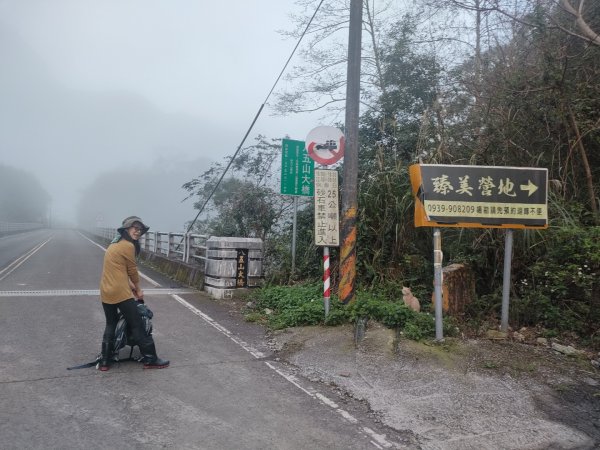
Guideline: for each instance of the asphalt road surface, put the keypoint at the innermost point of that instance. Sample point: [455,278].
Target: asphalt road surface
[223,390]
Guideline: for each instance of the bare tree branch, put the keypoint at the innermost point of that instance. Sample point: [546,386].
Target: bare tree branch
[587,31]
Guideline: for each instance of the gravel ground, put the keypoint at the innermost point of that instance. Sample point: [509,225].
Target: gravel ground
[462,394]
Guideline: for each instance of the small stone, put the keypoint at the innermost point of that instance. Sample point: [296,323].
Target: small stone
[564,349]
[595,363]
[542,341]
[495,335]
[344,374]
[518,336]
[268,311]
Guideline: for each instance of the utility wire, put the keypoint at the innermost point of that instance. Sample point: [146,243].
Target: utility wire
[253,122]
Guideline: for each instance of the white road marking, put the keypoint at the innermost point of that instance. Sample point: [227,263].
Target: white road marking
[256,353]
[378,440]
[17,262]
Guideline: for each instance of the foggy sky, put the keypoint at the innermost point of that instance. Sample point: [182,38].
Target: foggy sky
[88,87]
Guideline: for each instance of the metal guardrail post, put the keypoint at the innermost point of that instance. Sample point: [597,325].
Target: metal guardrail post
[186,248]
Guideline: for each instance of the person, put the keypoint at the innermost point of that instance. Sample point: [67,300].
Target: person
[120,290]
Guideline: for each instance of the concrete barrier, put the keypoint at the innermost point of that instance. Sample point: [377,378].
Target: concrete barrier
[188,274]
[232,265]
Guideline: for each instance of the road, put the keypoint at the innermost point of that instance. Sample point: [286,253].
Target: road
[223,390]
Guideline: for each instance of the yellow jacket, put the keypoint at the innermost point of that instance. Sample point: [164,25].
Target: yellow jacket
[119,267]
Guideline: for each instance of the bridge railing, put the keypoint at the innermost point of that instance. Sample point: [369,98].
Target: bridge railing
[11,227]
[186,247]
[223,264]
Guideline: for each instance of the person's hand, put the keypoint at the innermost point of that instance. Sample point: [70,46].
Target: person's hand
[139,293]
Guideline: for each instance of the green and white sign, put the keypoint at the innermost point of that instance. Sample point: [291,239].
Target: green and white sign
[297,169]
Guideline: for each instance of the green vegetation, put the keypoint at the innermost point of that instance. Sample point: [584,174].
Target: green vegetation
[289,306]
[515,86]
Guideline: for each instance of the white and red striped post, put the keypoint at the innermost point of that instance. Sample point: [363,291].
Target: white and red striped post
[326,280]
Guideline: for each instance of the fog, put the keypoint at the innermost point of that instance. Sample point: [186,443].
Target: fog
[129,90]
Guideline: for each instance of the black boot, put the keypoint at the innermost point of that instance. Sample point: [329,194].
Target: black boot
[105,358]
[150,359]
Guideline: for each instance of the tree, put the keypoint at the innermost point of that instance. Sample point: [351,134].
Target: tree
[246,203]
[22,197]
[242,209]
[320,82]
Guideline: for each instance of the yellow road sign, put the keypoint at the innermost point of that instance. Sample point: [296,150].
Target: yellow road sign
[479,196]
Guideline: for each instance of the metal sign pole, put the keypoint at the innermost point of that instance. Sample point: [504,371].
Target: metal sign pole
[294,232]
[508,244]
[326,280]
[437,282]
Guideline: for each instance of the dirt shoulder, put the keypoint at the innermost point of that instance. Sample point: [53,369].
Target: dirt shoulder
[462,394]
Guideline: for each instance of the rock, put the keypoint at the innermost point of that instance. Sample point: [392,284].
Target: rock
[565,349]
[518,337]
[268,311]
[495,335]
[542,341]
[595,363]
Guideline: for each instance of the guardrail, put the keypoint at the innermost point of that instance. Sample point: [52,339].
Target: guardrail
[189,248]
[10,227]
[220,265]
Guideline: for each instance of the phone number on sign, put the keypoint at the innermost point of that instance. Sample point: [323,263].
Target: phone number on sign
[458,209]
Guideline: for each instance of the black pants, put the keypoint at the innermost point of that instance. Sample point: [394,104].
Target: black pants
[134,322]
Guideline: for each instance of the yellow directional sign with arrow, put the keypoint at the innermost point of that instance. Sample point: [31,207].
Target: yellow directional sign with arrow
[480,196]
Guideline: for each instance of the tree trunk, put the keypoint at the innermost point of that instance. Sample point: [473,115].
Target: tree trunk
[586,167]
[458,289]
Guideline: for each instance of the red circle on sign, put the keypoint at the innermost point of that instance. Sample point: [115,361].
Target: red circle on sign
[325,145]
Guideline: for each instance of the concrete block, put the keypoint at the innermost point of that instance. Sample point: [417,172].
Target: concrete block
[233,243]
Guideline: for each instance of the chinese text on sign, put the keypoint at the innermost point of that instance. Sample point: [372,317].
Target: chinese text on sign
[327,230]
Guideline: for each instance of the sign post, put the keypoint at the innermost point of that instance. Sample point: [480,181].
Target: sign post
[438,258]
[478,197]
[325,145]
[508,243]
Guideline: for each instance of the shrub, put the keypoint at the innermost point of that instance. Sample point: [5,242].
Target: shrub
[560,289]
[303,305]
